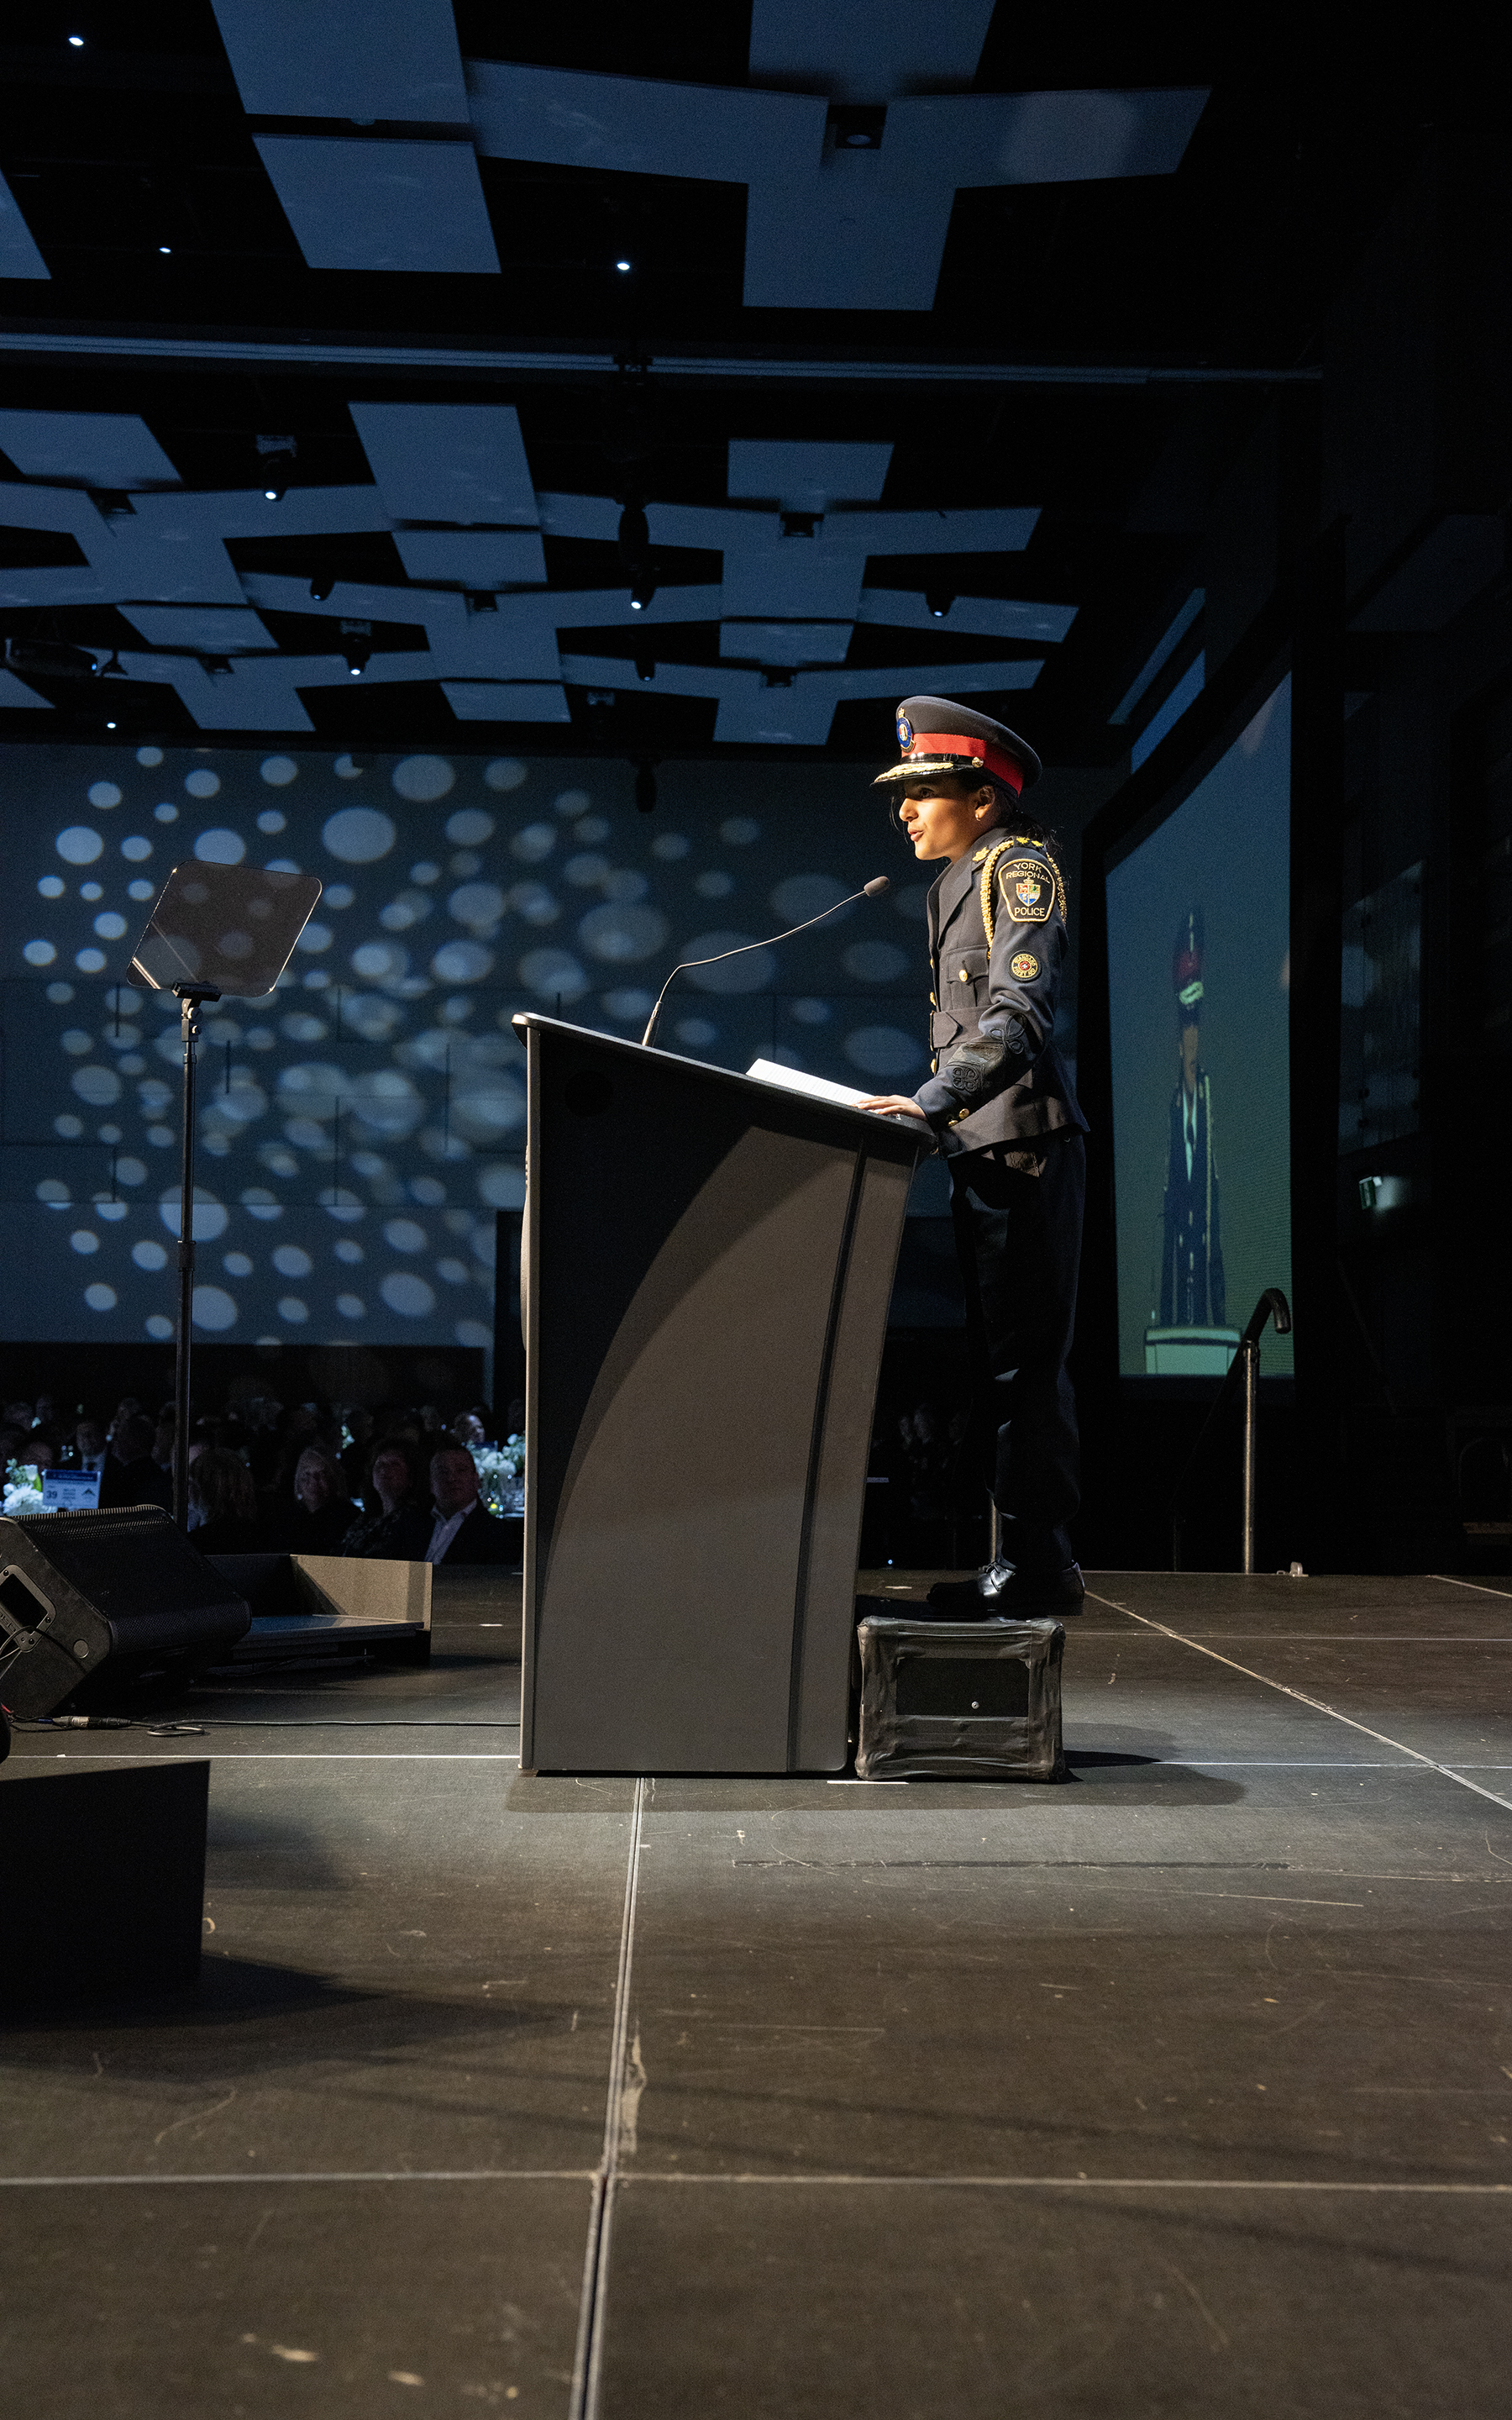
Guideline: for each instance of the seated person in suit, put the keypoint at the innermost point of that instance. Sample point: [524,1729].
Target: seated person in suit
[394,1525]
[320,1516]
[89,1445]
[130,1476]
[464,1532]
[220,1489]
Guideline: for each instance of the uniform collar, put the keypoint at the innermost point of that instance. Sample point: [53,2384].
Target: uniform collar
[956,883]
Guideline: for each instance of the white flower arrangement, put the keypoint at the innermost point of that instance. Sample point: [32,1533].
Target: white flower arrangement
[23,1489]
[501,1475]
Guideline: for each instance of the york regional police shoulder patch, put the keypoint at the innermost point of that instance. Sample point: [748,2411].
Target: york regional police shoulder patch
[1029,890]
[1023,968]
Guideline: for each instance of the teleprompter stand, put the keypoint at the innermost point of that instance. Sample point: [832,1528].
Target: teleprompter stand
[709,1262]
[214,930]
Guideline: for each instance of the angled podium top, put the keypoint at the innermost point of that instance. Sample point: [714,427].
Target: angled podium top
[708,1261]
[862,1128]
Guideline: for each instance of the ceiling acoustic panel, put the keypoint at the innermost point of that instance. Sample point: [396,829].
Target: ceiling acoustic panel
[1046,138]
[96,449]
[722,133]
[360,59]
[981,617]
[865,51]
[587,608]
[15,692]
[448,461]
[785,644]
[472,558]
[355,203]
[847,234]
[517,645]
[19,256]
[219,630]
[507,701]
[173,566]
[806,478]
[829,227]
[790,578]
[997,529]
[795,709]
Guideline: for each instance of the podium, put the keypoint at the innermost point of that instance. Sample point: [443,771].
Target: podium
[706,1269]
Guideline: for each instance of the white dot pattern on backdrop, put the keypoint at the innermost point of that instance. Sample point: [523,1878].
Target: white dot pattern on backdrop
[361,1129]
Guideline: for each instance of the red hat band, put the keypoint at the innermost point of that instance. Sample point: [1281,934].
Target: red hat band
[981,752]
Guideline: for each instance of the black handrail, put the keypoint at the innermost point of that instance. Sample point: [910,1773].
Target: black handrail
[1246,1365]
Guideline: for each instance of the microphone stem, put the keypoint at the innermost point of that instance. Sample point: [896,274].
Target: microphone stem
[683,967]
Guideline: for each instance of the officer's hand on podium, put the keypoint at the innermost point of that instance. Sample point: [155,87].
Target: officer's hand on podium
[893,1104]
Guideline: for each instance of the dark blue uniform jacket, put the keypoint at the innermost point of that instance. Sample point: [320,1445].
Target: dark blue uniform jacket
[997,941]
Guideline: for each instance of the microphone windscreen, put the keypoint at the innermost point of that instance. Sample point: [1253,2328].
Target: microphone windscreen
[878,884]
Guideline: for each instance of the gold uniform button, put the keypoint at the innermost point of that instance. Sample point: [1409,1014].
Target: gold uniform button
[965,976]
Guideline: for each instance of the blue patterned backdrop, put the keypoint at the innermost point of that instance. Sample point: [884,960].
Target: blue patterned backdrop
[359,1128]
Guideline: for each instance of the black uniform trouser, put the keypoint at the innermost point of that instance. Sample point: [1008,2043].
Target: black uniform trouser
[1018,1230]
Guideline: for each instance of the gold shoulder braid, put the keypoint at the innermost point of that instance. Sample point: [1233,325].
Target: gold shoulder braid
[989,887]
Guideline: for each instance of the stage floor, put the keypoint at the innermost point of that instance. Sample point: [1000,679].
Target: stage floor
[1184,2087]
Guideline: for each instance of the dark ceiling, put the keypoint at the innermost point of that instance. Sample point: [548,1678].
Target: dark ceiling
[1083,326]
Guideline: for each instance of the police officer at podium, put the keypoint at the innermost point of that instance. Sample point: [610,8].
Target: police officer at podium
[1000,1105]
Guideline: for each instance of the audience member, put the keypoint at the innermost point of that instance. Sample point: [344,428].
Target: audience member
[309,1508]
[130,1476]
[221,1491]
[262,1415]
[320,1513]
[353,1458]
[394,1525]
[463,1531]
[89,1445]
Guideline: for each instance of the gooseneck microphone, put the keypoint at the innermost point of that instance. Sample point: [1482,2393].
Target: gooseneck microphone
[879,884]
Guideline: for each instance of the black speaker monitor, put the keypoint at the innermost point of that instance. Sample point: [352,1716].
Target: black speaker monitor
[94,1602]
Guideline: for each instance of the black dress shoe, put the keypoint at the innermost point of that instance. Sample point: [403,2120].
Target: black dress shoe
[1000,1590]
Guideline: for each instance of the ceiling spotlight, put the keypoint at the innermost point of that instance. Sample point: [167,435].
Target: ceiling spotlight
[274,495]
[166,247]
[643,592]
[646,666]
[635,533]
[357,657]
[939,601]
[75,41]
[645,789]
[110,726]
[623,268]
[321,586]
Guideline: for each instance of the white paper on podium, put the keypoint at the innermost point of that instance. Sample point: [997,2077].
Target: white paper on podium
[793,1079]
[819,1088]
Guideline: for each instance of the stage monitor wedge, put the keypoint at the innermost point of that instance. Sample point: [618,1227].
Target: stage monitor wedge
[102,1602]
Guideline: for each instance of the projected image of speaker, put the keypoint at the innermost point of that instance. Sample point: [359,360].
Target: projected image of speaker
[98,1606]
